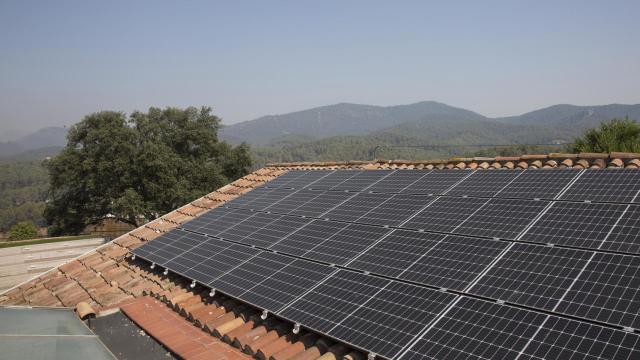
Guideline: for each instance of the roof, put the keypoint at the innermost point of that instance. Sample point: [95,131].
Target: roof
[108,277]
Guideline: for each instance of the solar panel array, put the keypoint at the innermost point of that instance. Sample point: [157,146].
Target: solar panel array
[419,264]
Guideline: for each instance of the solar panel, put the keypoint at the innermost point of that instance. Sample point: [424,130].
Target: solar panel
[322,203]
[248,226]
[502,218]
[163,248]
[345,245]
[538,184]
[391,318]
[484,183]
[606,185]
[268,198]
[357,206]
[308,179]
[224,219]
[308,237]
[395,210]
[477,329]
[436,182]
[532,275]
[625,236]
[453,262]
[248,274]
[287,284]
[395,253]
[325,306]
[568,339]
[445,214]
[294,201]
[608,290]
[575,224]
[397,181]
[284,179]
[362,180]
[212,266]
[333,179]
[277,248]
[275,231]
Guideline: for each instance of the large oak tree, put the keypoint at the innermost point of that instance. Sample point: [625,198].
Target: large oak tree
[138,167]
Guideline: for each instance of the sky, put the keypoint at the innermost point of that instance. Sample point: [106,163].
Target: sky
[61,60]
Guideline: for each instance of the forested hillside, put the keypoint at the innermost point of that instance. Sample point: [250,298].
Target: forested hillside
[23,189]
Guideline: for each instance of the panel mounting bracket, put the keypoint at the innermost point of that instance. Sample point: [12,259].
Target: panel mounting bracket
[165,272]
[264,315]
[193,284]
[133,257]
[212,293]
[501,302]
[371,356]
[629,329]
[153,265]
[296,328]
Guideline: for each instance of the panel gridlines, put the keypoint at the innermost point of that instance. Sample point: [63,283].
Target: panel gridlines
[530,275]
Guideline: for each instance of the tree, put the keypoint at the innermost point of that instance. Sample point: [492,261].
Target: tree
[138,167]
[23,230]
[614,135]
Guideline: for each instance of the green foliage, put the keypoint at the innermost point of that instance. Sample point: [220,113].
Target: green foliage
[614,135]
[139,167]
[23,189]
[22,231]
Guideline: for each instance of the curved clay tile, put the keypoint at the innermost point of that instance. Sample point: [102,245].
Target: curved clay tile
[523,165]
[616,163]
[536,164]
[566,163]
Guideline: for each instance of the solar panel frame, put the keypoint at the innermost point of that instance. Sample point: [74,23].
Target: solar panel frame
[326,305]
[470,256]
[437,182]
[584,225]
[484,183]
[605,185]
[538,184]
[397,181]
[625,235]
[276,231]
[396,210]
[287,284]
[346,244]
[395,253]
[391,318]
[607,290]
[361,181]
[560,338]
[476,329]
[445,214]
[502,218]
[303,240]
[535,276]
[333,179]
[357,206]
[322,204]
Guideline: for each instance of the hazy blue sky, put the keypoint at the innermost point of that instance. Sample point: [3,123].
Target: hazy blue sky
[60,60]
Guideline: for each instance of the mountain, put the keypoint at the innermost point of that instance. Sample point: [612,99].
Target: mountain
[580,117]
[429,119]
[341,119]
[44,138]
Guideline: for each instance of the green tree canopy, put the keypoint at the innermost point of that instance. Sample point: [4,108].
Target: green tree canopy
[22,231]
[138,167]
[614,135]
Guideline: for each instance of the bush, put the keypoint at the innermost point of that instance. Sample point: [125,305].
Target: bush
[22,231]
[614,135]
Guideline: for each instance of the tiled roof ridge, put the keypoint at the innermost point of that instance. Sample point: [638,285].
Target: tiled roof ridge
[551,160]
